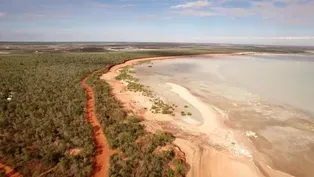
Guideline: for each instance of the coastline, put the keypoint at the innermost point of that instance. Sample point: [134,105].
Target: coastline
[206,159]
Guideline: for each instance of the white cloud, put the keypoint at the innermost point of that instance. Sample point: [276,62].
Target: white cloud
[104,5]
[294,12]
[272,40]
[2,14]
[259,38]
[197,13]
[194,5]
[232,12]
[33,16]
[99,5]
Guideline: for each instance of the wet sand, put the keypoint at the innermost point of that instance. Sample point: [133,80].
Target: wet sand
[277,134]
[212,148]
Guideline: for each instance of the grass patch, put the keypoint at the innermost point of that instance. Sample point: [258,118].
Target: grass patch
[133,85]
[161,107]
[136,146]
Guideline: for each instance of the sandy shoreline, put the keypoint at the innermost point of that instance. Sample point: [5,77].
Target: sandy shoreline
[197,140]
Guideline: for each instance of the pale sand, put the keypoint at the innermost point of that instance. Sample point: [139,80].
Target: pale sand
[196,140]
[211,121]
[206,161]
[212,125]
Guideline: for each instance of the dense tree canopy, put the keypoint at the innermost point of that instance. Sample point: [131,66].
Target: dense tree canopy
[42,113]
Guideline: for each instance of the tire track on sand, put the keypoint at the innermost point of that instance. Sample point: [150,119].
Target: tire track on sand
[101,163]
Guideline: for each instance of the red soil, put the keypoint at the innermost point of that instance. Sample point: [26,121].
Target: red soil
[9,172]
[103,152]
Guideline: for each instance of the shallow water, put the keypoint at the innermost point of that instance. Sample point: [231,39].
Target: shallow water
[272,95]
[282,79]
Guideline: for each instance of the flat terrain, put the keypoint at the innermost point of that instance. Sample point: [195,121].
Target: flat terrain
[43,125]
[51,47]
[44,128]
[213,145]
[203,158]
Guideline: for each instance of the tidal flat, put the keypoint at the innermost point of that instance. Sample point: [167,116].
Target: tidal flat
[266,98]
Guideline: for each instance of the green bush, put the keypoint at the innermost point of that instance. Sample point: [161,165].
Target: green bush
[181,168]
[48,99]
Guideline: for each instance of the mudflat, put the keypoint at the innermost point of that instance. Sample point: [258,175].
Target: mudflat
[213,141]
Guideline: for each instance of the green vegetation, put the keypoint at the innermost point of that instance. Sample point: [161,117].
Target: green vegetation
[42,114]
[133,85]
[45,117]
[137,149]
[160,107]
[145,62]
[180,167]
[184,113]
[137,87]
[186,106]
[124,74]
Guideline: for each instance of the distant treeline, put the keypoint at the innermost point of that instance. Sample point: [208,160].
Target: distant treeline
[61,47]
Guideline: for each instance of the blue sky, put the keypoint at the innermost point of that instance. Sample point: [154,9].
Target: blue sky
[284,22]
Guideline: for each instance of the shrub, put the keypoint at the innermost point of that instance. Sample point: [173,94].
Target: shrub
[48,99]
[181,168]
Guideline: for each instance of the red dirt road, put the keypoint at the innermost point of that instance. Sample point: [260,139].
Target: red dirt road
[101,164]
[9,172]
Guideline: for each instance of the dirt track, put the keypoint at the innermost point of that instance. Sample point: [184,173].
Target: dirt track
[9,172]
[101,164]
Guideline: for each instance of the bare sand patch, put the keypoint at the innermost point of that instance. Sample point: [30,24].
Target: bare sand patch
[211,121]
[216,163]
[4,52]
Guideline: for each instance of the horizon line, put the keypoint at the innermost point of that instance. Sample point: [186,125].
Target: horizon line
[159,42]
